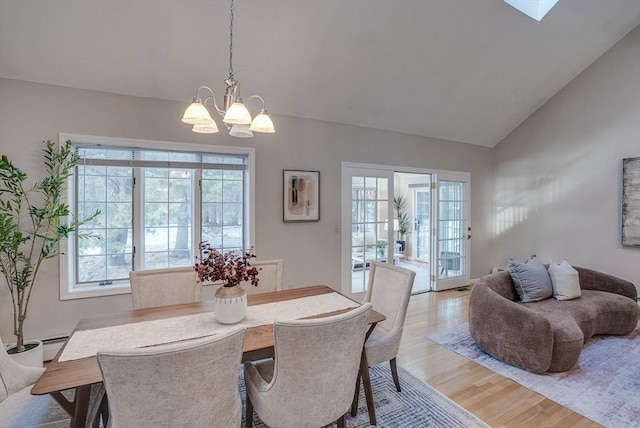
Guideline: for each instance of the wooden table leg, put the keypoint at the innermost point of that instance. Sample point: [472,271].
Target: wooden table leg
[366,383]
[63,402]
[78,408]
[81,400]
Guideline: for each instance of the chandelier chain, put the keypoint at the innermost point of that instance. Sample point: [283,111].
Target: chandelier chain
[231,44]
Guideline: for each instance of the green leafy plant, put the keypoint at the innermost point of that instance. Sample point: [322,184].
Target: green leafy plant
[381,245]
[399,204]
[33,221]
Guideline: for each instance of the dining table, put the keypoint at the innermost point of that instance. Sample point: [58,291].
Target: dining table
[75,366]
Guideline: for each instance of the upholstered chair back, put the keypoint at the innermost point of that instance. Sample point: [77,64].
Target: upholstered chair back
[389,291]
[312,381]
[162,287]
[188,384]
[270,277]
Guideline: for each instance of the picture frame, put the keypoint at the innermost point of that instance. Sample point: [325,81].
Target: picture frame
[301,195]
[631,202]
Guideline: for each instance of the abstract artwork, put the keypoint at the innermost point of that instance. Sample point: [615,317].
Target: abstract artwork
[301,190]
[631,202]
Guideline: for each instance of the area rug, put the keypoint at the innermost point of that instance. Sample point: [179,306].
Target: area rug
[418,405]
[604,386]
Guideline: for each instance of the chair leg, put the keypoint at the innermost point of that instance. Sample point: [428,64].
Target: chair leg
[356,396]
[249,415]
[341,423]
[103,413]
[394,373]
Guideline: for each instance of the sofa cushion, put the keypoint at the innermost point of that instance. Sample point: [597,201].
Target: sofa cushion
[575,321]
[530,279]
[565,281]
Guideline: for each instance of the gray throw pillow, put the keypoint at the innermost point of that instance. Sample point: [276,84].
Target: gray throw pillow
[531,279]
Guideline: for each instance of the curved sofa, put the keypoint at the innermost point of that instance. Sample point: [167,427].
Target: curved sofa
[547,336]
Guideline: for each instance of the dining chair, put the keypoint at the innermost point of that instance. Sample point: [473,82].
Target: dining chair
[311,381]
[18,408]
[388,291]
[270,276]
[186,384]
[162,287]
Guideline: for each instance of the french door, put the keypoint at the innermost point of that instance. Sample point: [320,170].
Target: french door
[367,196]
[439,224]
[452,231]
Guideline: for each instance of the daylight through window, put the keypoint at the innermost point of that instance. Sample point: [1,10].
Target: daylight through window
[156,206]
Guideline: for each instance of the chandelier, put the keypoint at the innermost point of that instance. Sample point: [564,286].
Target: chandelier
[234,112]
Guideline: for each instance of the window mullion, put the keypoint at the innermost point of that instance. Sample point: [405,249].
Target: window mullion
[137,221]
[196,235]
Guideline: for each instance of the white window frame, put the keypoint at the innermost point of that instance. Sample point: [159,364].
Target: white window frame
[68,288]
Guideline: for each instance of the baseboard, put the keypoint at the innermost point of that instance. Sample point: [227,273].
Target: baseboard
[51,346]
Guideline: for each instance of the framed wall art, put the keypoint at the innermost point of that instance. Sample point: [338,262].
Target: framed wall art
[301,190]
[631,202]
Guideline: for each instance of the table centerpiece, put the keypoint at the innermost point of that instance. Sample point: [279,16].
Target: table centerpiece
[231,268]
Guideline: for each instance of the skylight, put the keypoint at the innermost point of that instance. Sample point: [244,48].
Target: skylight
[536,9]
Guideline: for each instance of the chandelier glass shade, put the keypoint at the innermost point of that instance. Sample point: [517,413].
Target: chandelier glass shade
[197,114]
[235,113]
[262,123]
[241,131]
[208,128]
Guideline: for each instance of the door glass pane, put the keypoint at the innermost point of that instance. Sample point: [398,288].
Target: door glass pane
[369,230]
[452,237]
[423,223]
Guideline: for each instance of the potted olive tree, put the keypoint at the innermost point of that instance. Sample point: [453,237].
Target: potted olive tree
[399,205]
[33,221]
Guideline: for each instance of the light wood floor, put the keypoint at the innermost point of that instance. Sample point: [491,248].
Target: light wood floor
[498,401]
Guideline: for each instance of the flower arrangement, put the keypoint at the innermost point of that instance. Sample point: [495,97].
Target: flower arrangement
[231,268]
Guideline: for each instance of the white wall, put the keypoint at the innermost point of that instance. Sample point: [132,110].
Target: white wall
[557,177]
[30,113]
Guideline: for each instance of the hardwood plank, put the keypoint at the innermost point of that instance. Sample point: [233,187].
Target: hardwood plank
[498,401]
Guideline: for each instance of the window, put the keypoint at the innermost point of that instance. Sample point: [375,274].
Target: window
[157,202]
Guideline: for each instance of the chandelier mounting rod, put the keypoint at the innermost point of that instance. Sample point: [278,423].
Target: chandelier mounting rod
[231,43]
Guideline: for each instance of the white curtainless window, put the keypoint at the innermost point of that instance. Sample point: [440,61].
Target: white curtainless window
[157,201]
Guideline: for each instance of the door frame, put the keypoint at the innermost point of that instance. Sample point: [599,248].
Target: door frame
[436,176]
[440,284]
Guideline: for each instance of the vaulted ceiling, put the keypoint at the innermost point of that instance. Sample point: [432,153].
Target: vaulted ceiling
[460,70]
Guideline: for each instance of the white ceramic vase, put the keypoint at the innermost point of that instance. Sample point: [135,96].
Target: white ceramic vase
[230,304]
[32,357]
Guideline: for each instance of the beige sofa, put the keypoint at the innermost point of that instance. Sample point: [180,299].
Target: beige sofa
[547,336]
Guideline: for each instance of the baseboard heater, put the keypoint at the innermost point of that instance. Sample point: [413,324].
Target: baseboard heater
[51,346]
